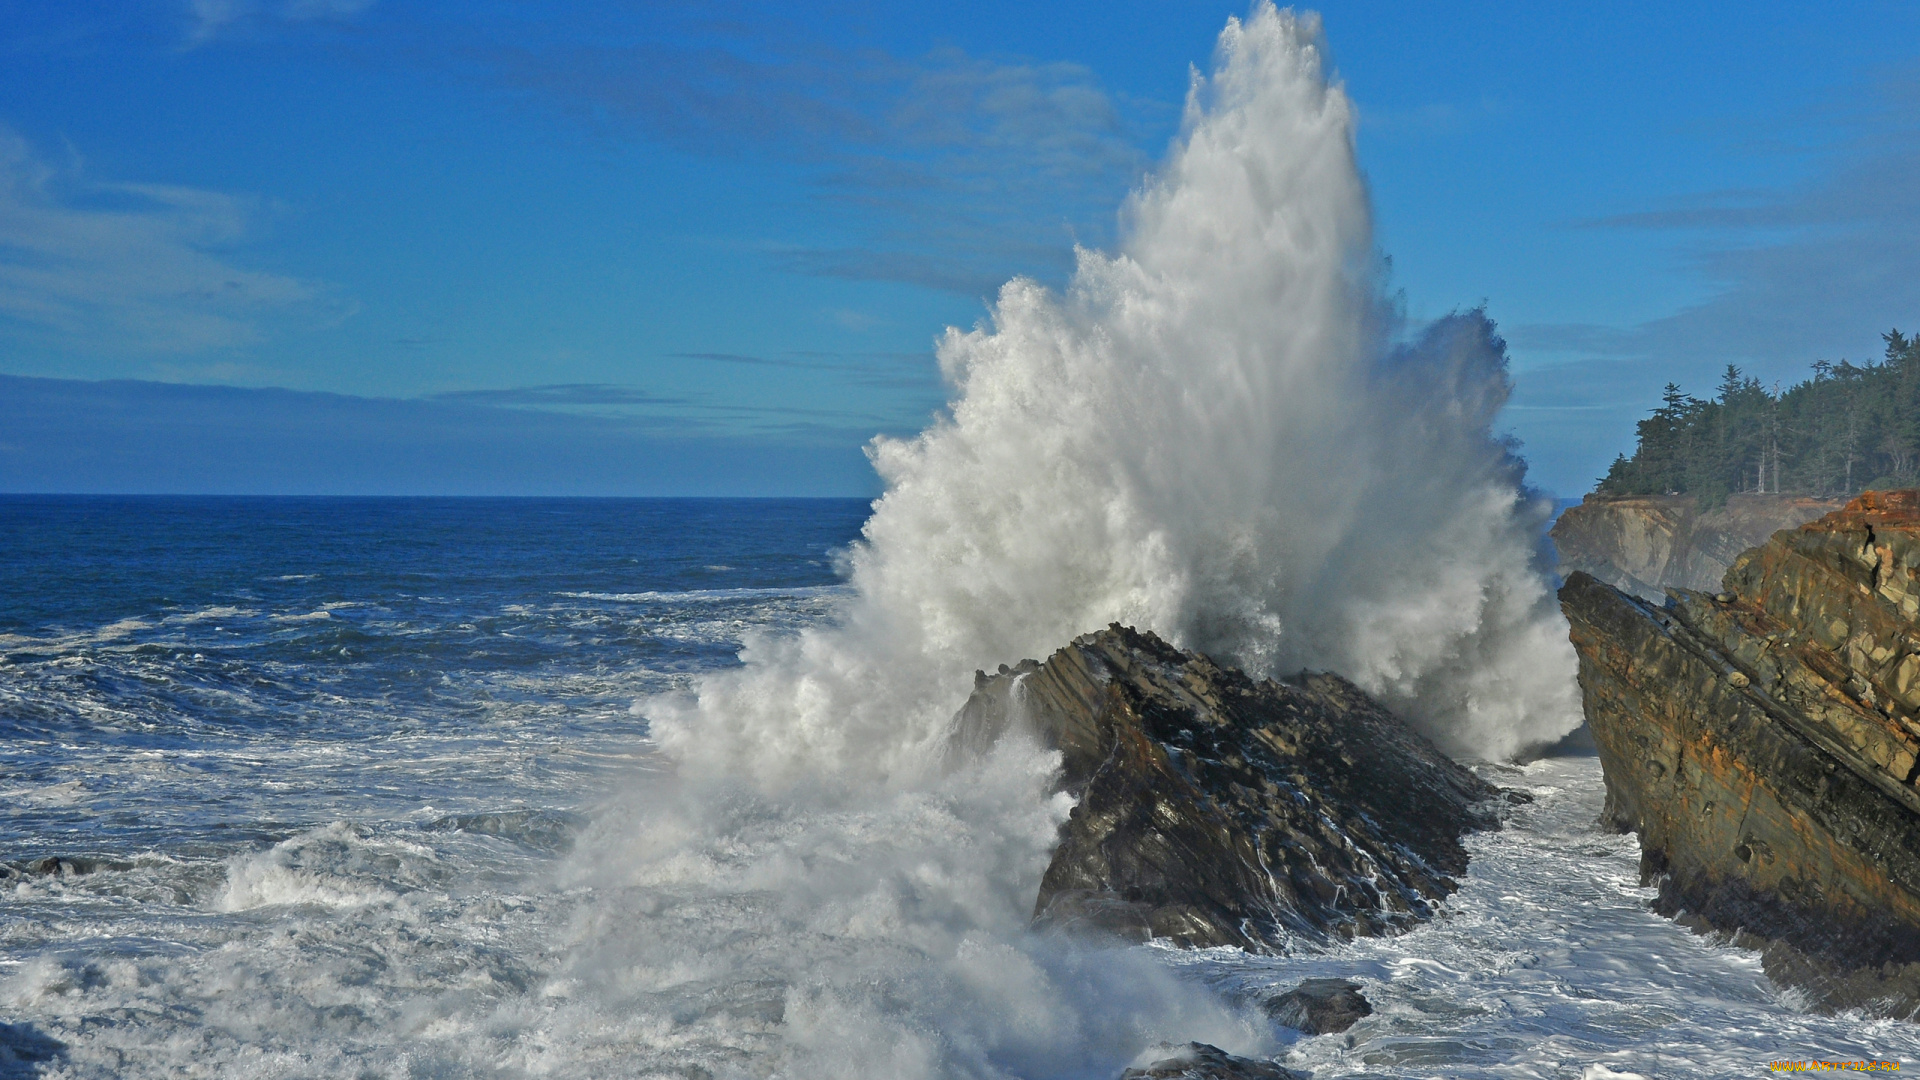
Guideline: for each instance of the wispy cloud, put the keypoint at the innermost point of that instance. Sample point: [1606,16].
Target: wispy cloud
[208,19]
[943,169]
[130,266]
[165,437]
[737,358]
[700,414]
[946,170]
[1779,306]
[1815,269]
[880,370]
[1434,119]
[561,394]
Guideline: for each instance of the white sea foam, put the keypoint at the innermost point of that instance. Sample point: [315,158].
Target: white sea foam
[1212,434]
[116,631]
[209,614]
[335,866]
[766,958]
[71,793]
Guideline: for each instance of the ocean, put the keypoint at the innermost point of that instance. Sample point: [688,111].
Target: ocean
[588,789]
[230,725]
[309,787]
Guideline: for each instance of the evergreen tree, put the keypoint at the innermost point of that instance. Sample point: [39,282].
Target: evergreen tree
[1846,429]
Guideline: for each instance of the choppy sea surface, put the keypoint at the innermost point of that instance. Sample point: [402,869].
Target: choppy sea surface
[290,788]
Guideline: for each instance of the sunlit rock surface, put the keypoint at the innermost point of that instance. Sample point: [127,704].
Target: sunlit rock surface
[1217,810]
[1647,544]
[1762,741]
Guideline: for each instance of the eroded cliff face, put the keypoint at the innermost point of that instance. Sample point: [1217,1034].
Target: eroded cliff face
[1763,740]
[1217,810]
[1647,544]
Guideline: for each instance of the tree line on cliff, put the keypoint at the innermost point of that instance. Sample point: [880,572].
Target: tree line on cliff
[1847,429]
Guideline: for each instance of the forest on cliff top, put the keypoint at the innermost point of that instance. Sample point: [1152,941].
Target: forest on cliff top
[1849,428]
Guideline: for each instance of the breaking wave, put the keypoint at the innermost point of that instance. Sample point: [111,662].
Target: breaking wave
[1223,433]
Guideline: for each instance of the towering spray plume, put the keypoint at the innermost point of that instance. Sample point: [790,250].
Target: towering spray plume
[1210,435]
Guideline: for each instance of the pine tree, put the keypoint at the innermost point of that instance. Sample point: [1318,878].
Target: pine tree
[1847,428]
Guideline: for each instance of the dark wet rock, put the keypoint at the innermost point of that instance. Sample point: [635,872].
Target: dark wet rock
[543,830]
[1201,1061]
[1320,1006]
[1647,544]
[1762,740]
[1214,809]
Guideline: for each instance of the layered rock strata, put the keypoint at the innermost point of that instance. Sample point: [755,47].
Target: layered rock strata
[1647,544]
[1214,809]
[1763,742]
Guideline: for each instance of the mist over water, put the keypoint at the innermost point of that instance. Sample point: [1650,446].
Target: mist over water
[1223,433]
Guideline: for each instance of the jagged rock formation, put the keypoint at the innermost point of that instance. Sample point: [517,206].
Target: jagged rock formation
[1204,1061]
[1763,742]
[1647,544]
[1217,810]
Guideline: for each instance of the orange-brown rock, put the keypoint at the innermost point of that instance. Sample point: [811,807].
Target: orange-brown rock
[1647,544]
[1763,743]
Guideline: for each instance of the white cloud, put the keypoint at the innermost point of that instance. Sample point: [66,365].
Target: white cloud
[98,266]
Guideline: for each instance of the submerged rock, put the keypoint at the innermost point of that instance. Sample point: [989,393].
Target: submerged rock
[1202,1061]
[1647,544]
[1762,741]
[65,866]
[1320,1006]
[1214,809]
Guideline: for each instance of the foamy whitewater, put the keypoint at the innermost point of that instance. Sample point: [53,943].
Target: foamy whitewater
[427,788]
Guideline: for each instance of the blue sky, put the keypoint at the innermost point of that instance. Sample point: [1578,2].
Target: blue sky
[686,248]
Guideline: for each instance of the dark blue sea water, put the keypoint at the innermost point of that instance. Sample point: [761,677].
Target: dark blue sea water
[453,652]
[189,683]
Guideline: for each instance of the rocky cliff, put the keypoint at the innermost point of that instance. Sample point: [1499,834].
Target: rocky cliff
[1762,741]
[1219,810]
[1647,544]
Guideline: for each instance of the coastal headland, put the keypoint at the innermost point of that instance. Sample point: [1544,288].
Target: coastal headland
[1762,740]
